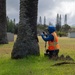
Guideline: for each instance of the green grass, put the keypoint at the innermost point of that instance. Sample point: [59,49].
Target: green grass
[37,65]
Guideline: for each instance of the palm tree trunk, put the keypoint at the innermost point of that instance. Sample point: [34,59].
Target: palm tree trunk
[26,43]
[3,24]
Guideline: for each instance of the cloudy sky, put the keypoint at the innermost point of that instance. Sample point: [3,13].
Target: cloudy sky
[48,8]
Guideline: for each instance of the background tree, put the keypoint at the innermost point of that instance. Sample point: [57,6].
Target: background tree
[60,22]
[10,25]
[65,28]
[44,21]
[3,23]
[27,41]
[58,26]
[40,20]
[65,20]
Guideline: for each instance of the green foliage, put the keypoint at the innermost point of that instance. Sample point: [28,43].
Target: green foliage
[60,33]
[11,26]
[65,28]
[58,23]
[58,27]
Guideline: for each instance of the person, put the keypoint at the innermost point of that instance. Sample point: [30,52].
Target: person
[52,39]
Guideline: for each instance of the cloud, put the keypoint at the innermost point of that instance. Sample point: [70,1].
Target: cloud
[48,8]
[61,7]
[12,7]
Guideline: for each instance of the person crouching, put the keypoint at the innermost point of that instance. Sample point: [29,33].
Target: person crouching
[52,39]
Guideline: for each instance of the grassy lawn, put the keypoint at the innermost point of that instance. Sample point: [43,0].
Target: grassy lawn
[37,65]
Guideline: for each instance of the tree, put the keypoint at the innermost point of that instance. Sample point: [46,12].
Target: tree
[44,21]
[65,20]
[65,28]
[10,25]
[40,20]
[58,26]
[60,21]
[3,23]
[27,41]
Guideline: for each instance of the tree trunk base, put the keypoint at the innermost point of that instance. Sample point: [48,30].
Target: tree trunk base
[24,48]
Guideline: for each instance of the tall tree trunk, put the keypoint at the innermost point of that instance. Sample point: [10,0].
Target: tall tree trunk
[26,43]
[3,24]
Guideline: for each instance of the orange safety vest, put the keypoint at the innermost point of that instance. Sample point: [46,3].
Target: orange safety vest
[53,45]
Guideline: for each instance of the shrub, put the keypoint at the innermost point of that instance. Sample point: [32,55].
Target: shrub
[60,33]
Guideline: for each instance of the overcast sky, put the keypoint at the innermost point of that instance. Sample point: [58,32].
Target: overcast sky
[48,8]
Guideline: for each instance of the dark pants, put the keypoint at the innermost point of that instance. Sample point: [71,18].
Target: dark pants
[52,53]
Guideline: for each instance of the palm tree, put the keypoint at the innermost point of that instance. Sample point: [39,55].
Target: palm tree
[26,43]
[3,25]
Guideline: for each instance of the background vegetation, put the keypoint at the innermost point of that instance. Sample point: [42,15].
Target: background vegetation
[12,26]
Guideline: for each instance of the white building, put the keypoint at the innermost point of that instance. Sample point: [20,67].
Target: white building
[71,34]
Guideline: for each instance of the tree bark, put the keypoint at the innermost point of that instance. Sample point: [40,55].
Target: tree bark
[26,43]
[3,23]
